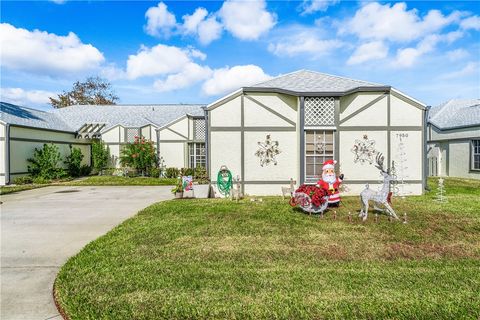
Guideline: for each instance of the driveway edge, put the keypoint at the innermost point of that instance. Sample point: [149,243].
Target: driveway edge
[57,304]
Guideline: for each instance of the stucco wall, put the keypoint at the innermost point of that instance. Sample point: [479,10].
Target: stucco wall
[2,154]
[23,142]
[459,160]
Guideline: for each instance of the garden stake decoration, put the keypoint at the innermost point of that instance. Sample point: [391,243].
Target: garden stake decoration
[441,191]
[268,151]
[379,198]
[224,181]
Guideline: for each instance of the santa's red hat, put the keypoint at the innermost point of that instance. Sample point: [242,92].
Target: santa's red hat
[329,164]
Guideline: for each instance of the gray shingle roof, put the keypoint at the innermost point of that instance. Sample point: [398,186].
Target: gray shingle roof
[74,117]
[28,117]
[456,113]
[312,81]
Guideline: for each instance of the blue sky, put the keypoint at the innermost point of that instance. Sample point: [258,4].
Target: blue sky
[195,52]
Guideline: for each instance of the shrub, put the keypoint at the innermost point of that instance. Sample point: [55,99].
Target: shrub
[85,170]
[139,155]
[187,172]
[44,163]
[100,155]
[41,180]
[23,180]
[172,173]
[74,162]
[155,172]
[201,175]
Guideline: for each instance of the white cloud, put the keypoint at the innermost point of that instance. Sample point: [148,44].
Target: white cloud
[246,20]
[457,54]
[206,28]
[396,22]
[228,79]
[46,53]
[374,50]
[58,1]
[191,74]
[160,21]
[303,41]
[407,57]
[471,23]
[160,60]
[25,97]
[311,6]
[469,69]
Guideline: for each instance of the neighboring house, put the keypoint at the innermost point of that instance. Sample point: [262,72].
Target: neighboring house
[288,126]
[453,138]
[24,129]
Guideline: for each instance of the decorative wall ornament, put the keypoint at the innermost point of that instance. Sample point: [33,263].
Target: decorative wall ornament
[320,146]
[364,150]
[268,151]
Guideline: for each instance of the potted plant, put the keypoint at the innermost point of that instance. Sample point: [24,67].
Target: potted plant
[178,190]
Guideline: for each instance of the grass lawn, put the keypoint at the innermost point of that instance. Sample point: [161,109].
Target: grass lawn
[209,259]
[121,181]
[17,188]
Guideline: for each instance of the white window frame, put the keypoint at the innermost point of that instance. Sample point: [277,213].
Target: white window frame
[323,131]
[195,160]
[474,151]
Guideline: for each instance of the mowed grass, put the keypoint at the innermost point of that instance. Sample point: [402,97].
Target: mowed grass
[17,188]
[218,259]
[121,181]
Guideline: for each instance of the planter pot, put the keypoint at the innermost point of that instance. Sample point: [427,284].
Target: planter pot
[201,190]
[178,195]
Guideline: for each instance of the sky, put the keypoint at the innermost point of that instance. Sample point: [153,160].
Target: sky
[196,52]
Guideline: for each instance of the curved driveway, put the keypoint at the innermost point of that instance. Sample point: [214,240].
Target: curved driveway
[42,228]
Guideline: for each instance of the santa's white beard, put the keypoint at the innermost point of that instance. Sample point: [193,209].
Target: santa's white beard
[329,178]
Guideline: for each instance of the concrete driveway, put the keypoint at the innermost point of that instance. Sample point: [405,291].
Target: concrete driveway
[42,228]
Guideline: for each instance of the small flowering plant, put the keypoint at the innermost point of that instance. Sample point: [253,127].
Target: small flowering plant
[315,193]
[139,155]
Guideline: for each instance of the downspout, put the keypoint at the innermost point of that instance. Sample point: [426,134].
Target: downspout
[425,160]
[157,132]
[302,140]
[7,154]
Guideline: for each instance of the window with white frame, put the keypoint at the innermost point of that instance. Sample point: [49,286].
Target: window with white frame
[197,155]
[475,155]
[319,147]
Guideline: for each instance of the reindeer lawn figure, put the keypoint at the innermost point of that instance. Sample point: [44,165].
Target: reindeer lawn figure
[289,190]
[379,198]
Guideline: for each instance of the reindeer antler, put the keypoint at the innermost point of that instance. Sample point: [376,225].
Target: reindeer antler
[379,160]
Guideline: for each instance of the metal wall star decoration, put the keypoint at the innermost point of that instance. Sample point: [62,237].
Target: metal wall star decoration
[268,151]
[364,150]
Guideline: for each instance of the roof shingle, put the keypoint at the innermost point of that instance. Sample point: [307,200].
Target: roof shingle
[456,113]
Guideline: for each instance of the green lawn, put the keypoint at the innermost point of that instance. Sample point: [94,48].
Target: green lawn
[206,259]
[17,188]
[121,181]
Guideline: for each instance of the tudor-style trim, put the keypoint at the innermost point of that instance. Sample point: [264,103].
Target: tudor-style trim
[453,139]
[365,107]
[389,131]
[48,141]
[172,122]
[317,94]
[382,128]
[281,116]
[176,132]
[302,139]
[242,143]
[157,133]
[182,141]
[252,129]
[7,153]
[336,143]
[424,148]
[42,129]
[207,154]
[397,93]
[209,141]
[224,99]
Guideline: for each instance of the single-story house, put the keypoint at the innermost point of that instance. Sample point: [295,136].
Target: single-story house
[286,127]
[266,134]
[173,128]
[453,137]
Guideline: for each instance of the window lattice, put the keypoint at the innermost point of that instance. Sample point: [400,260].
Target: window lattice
[319,111]
[199,131]
[131,134]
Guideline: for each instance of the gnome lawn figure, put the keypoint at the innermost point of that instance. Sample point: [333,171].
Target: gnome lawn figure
[330,182]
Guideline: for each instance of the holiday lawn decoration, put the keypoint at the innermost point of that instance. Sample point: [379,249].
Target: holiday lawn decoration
[364,150]
[310,199]
[330,183]
[268,151]
[224,181]
[441,191]
[379,198]
[289,190]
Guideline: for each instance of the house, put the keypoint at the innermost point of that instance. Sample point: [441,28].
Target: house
[453,138]
[173,128]
[286,127]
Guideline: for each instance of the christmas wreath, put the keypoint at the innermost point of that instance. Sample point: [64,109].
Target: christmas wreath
[318,195]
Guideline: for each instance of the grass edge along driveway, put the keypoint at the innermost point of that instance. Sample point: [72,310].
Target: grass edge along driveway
[222,259]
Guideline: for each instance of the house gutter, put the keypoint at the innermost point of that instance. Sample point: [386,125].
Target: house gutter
[425,159]
[7,153]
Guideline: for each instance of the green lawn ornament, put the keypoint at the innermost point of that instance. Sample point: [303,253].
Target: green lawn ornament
[224,181]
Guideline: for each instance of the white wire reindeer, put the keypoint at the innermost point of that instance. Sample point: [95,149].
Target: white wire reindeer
[379,198]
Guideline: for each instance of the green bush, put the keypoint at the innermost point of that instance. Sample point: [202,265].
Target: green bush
[187,172]
[139,155]
[172,173]
[45,163]
[41,180]
[23,180]
[201,175]
[85,170]
[154,172]
[74,162]
[100,155]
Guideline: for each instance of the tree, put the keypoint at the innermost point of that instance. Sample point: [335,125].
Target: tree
[45,163]
[100,155]
[94,90]
[74,162]
[139,155]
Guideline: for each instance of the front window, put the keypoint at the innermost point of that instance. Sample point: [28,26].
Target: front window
[475,154]
[197,155]
[319,147]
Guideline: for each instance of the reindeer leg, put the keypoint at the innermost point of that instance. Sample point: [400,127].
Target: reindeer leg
[362,205]
[390,211]
[365,215]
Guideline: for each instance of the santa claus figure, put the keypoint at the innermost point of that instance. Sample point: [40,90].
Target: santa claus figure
[330,182]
